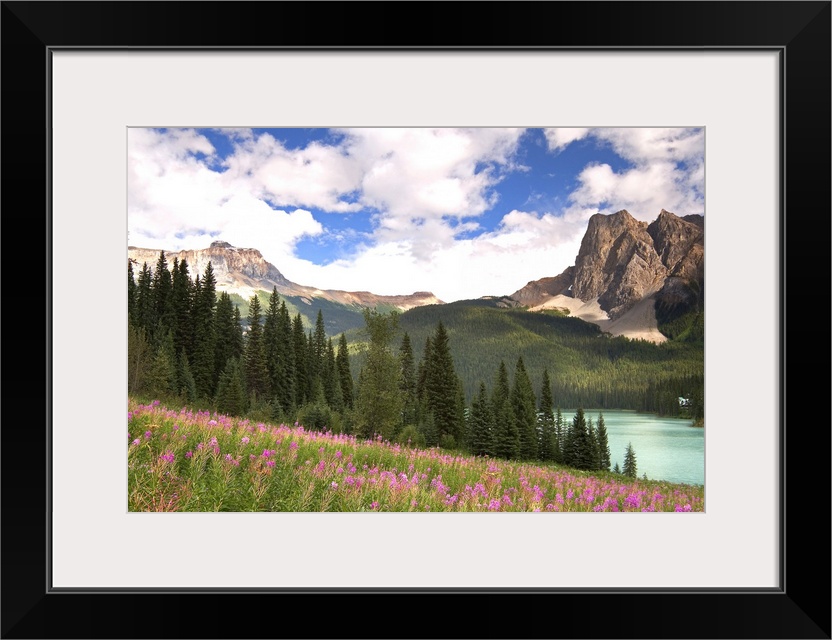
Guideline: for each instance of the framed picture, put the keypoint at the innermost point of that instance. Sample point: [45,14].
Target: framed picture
[753,77]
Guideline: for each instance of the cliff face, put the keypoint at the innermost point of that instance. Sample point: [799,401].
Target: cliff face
[246,270]
[623,261]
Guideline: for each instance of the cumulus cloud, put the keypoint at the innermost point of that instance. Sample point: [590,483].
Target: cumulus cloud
[666,170]
[559,138]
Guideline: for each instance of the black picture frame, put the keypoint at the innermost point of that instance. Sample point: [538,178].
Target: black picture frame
[800,608]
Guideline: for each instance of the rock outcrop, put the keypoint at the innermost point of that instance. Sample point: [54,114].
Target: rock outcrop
[245,271]
[622,262]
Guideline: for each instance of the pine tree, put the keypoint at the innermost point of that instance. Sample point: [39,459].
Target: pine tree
[162,294]
[237,343]
[506,435]
[617,469]
[331,383]
[271,346]
[407,381]
[185,379]
[232,399]
[226,326]
[145,307]
[284,391]
[441,387]
[560,436]
[630,468]
[132,296]
[547,449]
[342,360]
[594,448]
[255,371]
[603,444]
[481,430]
[525,414]
[580,443]
[379,402]
[318,346]
[161,378]
[301,361]
[204,332]
[181,307]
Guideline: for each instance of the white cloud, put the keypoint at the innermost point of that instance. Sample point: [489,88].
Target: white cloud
[559,138]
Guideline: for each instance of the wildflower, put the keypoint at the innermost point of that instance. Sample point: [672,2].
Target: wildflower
[148,434]
[374,505]
[251,456]
[266,453]
[136,441]
[212,422]
[189,455]
[176,427]
[270,463]
[213,442]
[228,457]
[293,445]
[245,440]
[334,485]
[200,446]
[338,454]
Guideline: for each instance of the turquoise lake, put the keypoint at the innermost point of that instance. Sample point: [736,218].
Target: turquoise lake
[666,448]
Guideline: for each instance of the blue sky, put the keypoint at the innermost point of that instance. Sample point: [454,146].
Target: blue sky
[459,212]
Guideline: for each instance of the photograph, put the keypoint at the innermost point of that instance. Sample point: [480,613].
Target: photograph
[416,319]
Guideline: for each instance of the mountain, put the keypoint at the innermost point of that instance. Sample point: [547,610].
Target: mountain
[245,272]
[631,278]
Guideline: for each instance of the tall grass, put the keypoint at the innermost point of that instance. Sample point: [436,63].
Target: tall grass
[185,460]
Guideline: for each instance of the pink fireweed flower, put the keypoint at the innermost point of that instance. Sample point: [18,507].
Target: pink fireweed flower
[334,485]
[293,445]
[266,453]
[167,456]
[374,505]
[136,441]
[148,434]
[228,457]
[200,446]
[251,456]
[338,454]
[270,463]
[189,454]
[176,427]
[494,505]
[245,440]
[212,422]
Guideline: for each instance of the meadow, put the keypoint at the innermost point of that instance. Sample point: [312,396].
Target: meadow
[191,460]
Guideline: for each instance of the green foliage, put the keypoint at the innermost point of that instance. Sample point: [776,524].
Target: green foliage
[410,436]
[316,416]
[256,371]
[506,435]
[548,447]
[630,468]
[441,386]
[481,427]
[232,398]
[525,413]
[139,355]
[379,403]
[342,363]
[603,444]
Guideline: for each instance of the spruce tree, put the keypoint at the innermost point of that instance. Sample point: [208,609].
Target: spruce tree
[506,435]
[603,443]
[319,346]
[546,421]
[301,363]
[630,468]
[181,307]
[162,374]
[481,439]
[139,357]
[441,387]
[594,448]
[331,383]
[580,443]
[132,296]
[256,372]
[342,360]
[185,379]
[271,346]
[525,413]
[204,332]
[145,305]
[162,294]
[226,326]
[407,381]
[285,381]
[232,399]
[560,436]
